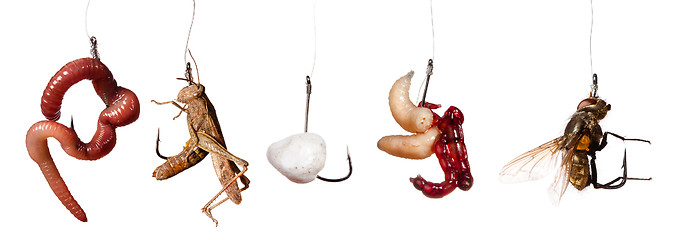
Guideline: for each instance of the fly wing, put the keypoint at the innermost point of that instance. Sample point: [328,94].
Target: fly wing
[559,185]
[534,164]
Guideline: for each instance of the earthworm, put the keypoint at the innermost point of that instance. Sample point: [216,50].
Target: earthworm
[122,108]
[452,154]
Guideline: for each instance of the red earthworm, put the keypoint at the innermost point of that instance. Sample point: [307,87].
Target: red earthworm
[452,154]
[122,108]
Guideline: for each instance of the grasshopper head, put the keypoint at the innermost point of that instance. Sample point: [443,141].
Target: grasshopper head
[191,92]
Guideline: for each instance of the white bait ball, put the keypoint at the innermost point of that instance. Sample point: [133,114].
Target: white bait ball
[299,157]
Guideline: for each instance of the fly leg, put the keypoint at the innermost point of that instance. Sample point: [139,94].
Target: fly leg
[603,143]
[621,180]
[609,185]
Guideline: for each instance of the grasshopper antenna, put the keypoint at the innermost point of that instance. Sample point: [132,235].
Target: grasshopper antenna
[198,75]
[186,47]
[187,73]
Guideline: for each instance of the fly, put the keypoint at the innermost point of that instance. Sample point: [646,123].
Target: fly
[582,138]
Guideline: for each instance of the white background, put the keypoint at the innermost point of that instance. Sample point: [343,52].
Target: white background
[517,69]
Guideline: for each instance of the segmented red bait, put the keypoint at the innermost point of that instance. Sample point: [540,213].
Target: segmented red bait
[449,147]
[122,108]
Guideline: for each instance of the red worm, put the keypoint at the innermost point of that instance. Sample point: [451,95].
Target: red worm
[122,108]
[452,154]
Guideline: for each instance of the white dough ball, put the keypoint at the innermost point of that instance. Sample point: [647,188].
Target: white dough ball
[299,157]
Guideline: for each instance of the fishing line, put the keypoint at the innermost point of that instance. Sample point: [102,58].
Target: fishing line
[591,37]
[593,87]
[314,22]
[186,46]
[87,9]
[308,79]
[432,25]
[430,65]
[93,40]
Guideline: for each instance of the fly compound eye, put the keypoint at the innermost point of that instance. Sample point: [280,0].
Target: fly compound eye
[586,102]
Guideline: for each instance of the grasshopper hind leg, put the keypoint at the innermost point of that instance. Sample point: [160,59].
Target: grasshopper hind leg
[207,209]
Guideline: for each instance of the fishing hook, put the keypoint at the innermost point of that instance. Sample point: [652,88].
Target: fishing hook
[308,83]
[349,159]
[158,139]
[430,67]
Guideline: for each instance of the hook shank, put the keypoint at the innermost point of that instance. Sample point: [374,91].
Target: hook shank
[309,94]
[430,66]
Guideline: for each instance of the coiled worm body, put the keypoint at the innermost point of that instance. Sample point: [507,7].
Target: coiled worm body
[122,108]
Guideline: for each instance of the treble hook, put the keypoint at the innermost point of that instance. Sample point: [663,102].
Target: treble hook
[349,159]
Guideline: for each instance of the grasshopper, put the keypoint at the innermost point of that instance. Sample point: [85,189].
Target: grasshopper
[206,137]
